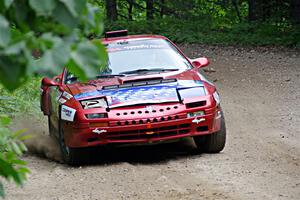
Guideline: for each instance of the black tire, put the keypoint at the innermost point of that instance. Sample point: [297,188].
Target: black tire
[212,143]
[71,156]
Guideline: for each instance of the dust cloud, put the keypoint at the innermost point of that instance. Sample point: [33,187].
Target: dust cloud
[39,143]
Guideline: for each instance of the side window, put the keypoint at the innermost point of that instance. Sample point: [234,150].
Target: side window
[57,79]
[179,54]
[70,78]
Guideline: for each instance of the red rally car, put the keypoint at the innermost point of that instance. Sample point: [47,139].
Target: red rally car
[149,92]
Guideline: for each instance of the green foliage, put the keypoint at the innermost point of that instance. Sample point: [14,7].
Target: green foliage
[22,100]
[205,31]
[211,22]
[56,30]
[12,167]
[40,37]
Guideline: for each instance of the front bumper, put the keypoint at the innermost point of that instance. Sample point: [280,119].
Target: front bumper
[151,131]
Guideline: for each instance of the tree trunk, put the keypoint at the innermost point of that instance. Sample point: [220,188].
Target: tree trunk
[256,10]
[162,8]
[295,11]
[236,7]
[111,10]
[267,7]
[130,7]
[149,6]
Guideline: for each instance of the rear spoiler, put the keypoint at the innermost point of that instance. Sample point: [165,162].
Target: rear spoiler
[118,33]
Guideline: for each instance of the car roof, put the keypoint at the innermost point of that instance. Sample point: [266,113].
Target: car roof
[131,37]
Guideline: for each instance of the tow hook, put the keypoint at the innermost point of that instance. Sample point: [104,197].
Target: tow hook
[197,121]
[97,131]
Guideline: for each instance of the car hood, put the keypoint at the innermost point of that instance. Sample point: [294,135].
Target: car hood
[124,91]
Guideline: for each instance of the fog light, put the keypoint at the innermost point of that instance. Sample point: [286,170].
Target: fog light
[196,114]
[96,115]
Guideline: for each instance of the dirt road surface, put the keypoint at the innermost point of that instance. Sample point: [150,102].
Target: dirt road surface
[260,90]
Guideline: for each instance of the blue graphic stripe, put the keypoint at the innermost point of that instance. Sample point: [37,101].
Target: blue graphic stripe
[143,93]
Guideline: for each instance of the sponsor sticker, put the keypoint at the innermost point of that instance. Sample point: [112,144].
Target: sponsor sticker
[67,113]
[62,100]
[149,108]
[67,95]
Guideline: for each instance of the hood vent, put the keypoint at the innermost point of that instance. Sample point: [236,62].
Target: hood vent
[143,80]
[140,82]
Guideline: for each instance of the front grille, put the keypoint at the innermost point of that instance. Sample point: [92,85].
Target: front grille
[147,120]
[164,131]
[138,112]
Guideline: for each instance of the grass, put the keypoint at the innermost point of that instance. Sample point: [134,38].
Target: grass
[23,100]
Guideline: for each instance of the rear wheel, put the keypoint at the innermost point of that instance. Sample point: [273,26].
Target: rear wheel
[71,156]
[212,143]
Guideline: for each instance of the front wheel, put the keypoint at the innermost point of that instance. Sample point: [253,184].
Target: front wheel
[71,156]
[213,143]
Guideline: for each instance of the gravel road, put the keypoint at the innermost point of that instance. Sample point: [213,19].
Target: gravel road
[260,90]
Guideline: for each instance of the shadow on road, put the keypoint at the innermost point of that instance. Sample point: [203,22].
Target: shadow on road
[143,154]
[111,154]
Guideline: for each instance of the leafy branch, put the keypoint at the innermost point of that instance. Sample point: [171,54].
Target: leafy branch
[42,37]
[12,167]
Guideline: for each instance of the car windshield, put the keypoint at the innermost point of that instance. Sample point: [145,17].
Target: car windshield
[143,56]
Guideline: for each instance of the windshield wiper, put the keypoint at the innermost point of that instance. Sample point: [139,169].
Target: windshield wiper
[137,71]
[109,75]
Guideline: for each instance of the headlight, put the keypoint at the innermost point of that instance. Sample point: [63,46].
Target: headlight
[191,92]
[216,97]
[94,103]
[96,115]
[196,114]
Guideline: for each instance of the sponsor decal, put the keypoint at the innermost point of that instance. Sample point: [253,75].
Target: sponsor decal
[136,45]
[144,46]
[61,95]
[67,113]
[62,100]
[67,95]
[149,108]
[159,93]
[97,131]
[197,121]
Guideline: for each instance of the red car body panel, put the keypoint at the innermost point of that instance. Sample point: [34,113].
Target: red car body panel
[134,123]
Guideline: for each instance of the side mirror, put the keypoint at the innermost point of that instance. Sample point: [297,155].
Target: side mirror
[49,82]
[200,62]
